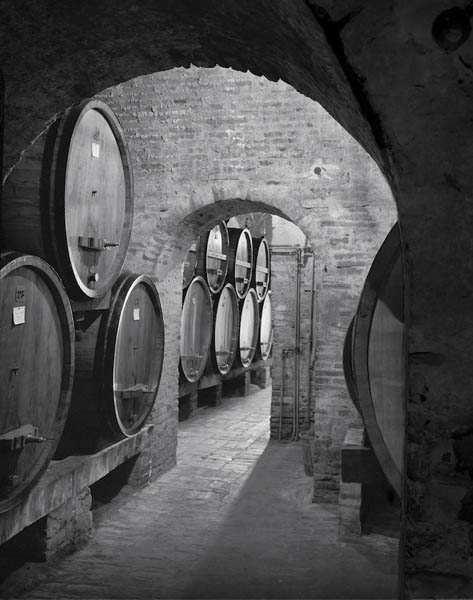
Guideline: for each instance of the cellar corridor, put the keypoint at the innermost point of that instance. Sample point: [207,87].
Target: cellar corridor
[233,519]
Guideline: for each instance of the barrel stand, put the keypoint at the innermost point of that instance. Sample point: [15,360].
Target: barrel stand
[260,376]
[56,516]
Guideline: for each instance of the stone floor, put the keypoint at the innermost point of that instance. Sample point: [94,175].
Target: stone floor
[234,519]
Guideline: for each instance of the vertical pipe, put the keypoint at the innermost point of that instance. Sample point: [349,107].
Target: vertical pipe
[311,344]
[300,255]
[282,395]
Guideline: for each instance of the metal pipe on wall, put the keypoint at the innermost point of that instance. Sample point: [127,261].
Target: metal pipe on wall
[300,253]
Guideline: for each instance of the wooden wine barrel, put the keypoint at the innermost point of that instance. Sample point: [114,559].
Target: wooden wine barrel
[190,264]
[118,367]
[70,200]
[249,329]
[261,268]
[36,371]
[240,260]
[379,357]
[265,338]
[212,262]
[348,365]
[196,329]
[225,332]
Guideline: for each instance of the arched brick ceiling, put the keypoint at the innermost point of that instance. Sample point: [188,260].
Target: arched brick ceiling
[55,53]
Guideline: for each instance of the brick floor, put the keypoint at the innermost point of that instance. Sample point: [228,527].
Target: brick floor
[234,519]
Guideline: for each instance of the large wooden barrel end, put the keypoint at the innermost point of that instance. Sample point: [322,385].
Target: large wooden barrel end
[240,260]
[249,329]
[265,338]
[196,329]
[70,199]
[212,262]
[225,331]
[260,279]
[36,371]
[378,358]
[133,341]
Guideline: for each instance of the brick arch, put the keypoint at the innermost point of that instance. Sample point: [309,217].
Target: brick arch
[216,142]
[166,250]
[195,164]
[82,49]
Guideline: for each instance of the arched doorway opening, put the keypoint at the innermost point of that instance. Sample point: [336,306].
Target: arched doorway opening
[186,177]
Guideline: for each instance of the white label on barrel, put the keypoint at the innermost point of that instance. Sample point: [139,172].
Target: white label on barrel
[19,315]
[95,150]
[136,314]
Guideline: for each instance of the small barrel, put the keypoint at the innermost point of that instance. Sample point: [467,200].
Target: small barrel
[70,200]
[261,268]
[249,329]
[240,260]
[190,264]
[378,359]
[36,371]
[212,262]
[196,329]
[225,331]
[265,338]
[118,367]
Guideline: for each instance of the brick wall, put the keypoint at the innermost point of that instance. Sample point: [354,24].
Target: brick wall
[207,144]
[210,143]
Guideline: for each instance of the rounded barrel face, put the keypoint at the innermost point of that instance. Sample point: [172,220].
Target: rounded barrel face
[348,364]
[378,358]
[226,329]
[196,329]
[96,202]
[266,329]
[386,364]
[138,357]
[261,271]
[216,257]
[36,368]
[249,325]
[243,263]
[190,263]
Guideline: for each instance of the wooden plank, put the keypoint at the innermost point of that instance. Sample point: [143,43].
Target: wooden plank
[210,380]
[360,465]
[66,478]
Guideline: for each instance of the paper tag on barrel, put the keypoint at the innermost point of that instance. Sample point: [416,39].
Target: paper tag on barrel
[19,315]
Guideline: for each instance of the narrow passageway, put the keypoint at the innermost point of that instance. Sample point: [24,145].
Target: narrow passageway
[234,519]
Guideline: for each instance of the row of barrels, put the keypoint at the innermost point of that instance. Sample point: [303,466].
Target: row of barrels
[82,378]
[374,358]
[230,255]
[70,386]
[226,314]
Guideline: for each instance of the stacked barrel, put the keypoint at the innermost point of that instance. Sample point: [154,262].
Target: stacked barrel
[374,358]
[226,315]
[79,341]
